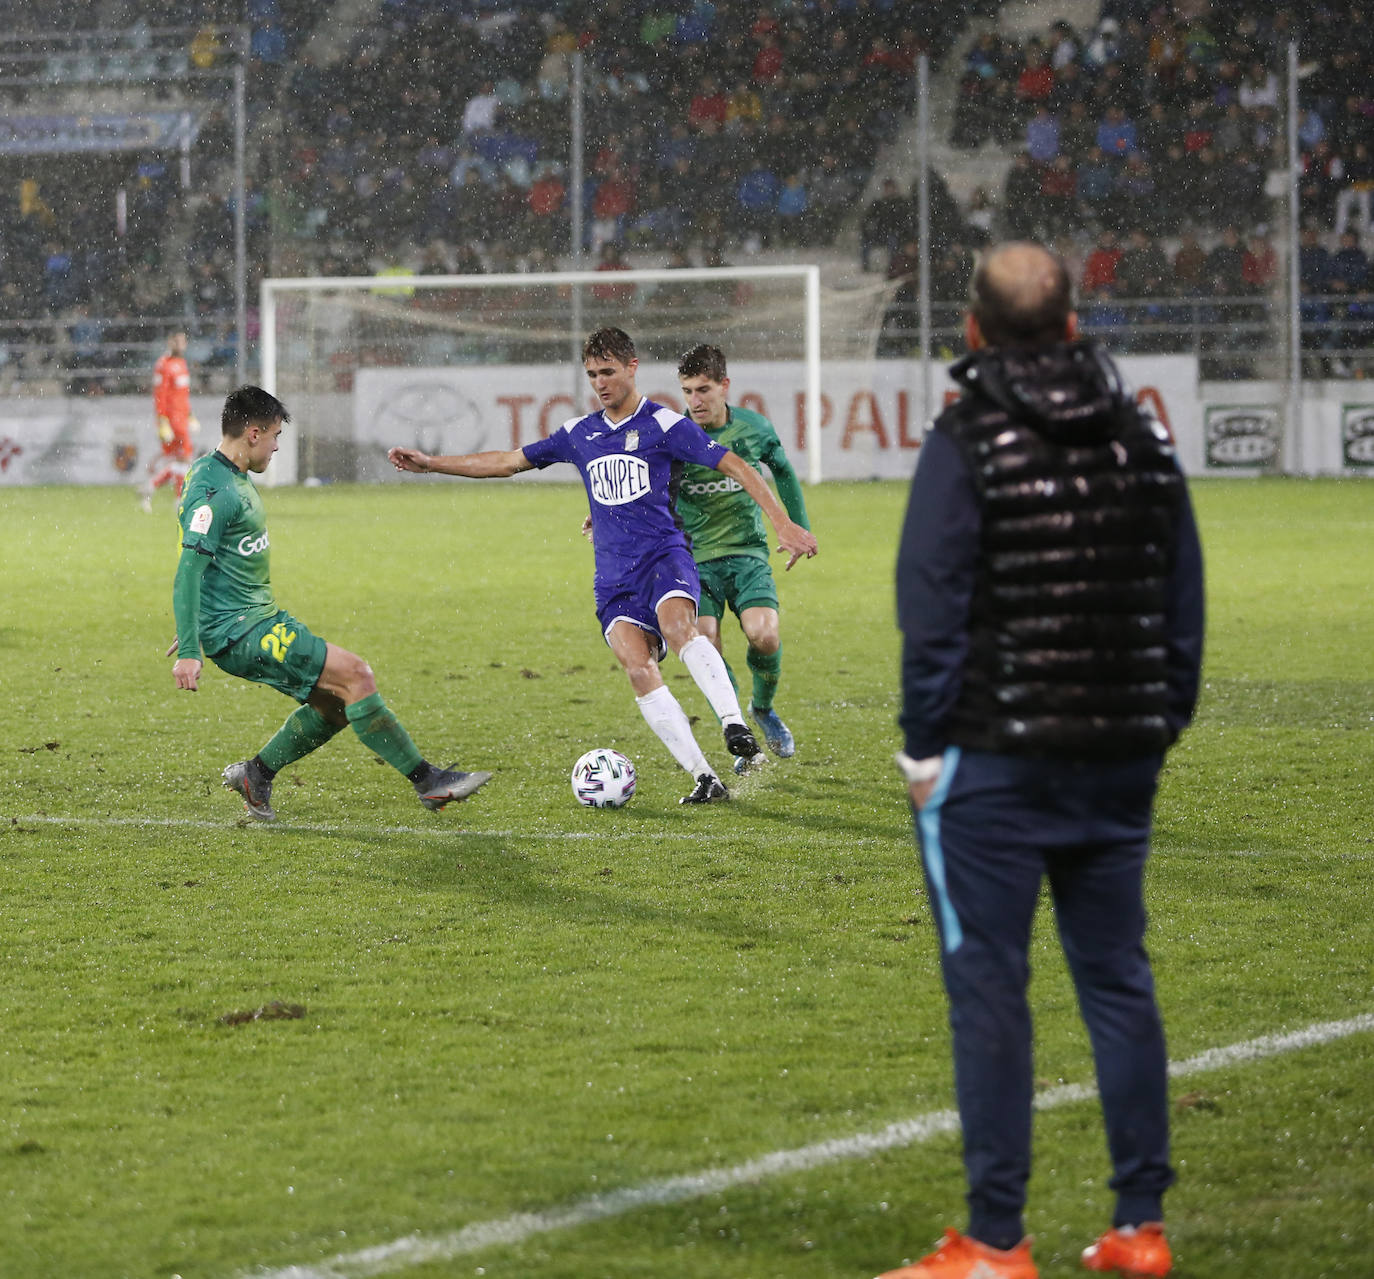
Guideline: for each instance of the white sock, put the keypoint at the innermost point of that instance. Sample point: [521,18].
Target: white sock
[663,713]
[707,667]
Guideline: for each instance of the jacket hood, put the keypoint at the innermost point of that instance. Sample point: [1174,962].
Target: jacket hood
[1071,393]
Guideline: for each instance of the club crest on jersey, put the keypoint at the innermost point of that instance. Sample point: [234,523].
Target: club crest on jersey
[631,441]
[616,479]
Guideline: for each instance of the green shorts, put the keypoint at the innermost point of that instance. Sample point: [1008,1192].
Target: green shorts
[741,581]
[279,652]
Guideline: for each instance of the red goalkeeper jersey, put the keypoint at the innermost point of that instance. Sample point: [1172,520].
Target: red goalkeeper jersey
[172,391]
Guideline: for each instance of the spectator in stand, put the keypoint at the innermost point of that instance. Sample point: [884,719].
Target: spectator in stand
[1100,268]
[474,209]
[547,196]
[1156,130]
[1058,206]
[768,62]
[1259,266]
[756,200]
[1322,176]
[1259,88]
[832,195]
[611,259]
[1314,264]
[1143,271]
[1042,136]
[1116,134]
[1096,186]
[1314,282]
[480,113]
[884,223]
[708,105]
[1065,47]
[1036,81]
[1349,271]
[612,203]
[1224,273]
[1077,130]
[1070,87]
[1135,194]
[1357,191]
[1241,182]
[979,218]
[792,210]
[1349,275]
[1021,197]
[1190,266]
[1197,128]
[1233,131]
[1311,129]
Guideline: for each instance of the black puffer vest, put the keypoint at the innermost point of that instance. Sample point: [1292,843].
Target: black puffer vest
[1079,493]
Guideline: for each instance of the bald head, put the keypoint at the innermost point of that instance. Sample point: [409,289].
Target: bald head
[1022,296]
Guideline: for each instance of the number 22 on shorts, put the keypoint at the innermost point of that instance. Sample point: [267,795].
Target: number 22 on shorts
[277,641]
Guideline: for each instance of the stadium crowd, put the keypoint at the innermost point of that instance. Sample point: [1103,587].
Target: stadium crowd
[1143,147]
[1152,150]
[709,124]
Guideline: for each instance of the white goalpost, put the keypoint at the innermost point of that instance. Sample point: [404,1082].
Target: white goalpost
[458,363]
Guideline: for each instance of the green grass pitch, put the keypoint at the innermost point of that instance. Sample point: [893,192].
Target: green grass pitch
[517,1004]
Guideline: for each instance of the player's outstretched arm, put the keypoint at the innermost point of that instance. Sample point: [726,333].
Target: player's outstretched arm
[792,538]
[491,465]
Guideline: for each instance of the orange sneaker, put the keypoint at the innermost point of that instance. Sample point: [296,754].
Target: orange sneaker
[959,1257]
[1135,1252]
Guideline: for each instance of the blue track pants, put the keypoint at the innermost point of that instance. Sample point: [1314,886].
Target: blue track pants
[994,829]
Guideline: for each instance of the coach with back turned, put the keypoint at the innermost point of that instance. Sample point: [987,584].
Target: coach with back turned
[1049,591]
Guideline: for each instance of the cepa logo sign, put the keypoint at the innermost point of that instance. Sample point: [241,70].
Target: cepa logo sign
[1241,435]
[1357,434]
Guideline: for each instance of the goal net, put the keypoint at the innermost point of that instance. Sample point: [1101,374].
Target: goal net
[459,364]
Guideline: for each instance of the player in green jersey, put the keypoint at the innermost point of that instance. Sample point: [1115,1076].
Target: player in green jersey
[222,599]
[728,539]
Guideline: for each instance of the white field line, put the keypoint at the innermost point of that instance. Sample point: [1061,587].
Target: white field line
[413,1250]
[447,832]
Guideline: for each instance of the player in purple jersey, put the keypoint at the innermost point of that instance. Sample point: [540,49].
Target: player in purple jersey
[646,586]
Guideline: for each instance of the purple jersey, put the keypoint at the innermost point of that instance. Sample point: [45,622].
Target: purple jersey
[631,473]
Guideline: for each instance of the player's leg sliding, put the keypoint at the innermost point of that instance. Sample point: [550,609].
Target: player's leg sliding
[306,730]
[383,734]
[664,714]
[707,667]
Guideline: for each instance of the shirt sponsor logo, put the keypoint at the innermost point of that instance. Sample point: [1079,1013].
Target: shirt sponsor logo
[617,479]
[201,519]
[249,545]
[725,485]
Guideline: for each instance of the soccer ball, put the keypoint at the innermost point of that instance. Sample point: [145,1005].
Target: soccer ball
[603,778]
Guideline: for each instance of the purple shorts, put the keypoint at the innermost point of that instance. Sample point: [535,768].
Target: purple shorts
[635,598]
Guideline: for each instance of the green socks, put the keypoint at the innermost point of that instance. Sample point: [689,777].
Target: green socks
[305,730]
[381,732]
[767,668]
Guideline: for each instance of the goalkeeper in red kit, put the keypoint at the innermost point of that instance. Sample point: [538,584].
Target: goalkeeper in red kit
[175,421]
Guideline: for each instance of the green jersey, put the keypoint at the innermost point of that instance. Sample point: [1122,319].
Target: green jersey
[223,584]
[716,513]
